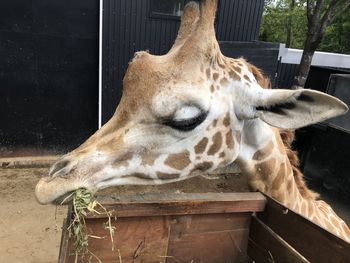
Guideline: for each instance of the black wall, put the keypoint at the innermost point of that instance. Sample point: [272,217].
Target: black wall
[128,27]
[317,79]
[263,55]
[339,86]
[285,75]
[48,72]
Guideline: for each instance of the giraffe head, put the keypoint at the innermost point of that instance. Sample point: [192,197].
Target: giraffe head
[180,114]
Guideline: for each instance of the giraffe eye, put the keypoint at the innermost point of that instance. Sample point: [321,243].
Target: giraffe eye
[186,124]
[187,112]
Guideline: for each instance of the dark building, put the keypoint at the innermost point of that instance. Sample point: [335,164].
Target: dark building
[48,73]
[49,53]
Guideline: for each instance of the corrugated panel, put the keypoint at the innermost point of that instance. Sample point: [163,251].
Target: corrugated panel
[285,75]
[239,20]
[128,27]
[48,73]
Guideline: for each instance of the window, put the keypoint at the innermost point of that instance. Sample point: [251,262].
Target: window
[167,8]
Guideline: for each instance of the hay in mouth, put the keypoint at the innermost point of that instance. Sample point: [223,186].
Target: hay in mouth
[84,201]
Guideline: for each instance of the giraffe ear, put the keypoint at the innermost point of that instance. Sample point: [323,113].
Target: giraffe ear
[292,109]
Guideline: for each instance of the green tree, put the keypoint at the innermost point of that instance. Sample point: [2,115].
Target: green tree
[281,16]
[308,25]
[337,36]
[320,14]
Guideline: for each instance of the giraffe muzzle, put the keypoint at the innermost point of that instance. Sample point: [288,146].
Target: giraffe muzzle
[59,183]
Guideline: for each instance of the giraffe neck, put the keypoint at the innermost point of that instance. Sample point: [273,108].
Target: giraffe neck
[264,160]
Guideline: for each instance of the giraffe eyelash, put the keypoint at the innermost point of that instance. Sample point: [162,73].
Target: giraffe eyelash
[186,124]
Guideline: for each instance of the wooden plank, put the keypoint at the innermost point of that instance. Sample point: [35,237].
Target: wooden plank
[63,255]
[201,238]
[181,204]
[194,224]
[266,246]
[142,239]
[208,247]
[209,238]
[312,241]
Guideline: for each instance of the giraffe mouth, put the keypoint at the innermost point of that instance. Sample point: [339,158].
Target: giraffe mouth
[64,199]
[56,190]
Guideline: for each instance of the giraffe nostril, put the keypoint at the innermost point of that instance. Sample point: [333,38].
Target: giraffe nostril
[58,166]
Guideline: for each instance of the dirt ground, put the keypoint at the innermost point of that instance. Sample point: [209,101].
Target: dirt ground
[30,232]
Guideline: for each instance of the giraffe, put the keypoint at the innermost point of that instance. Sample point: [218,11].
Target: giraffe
[191,111]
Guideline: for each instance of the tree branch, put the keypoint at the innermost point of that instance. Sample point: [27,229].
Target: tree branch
[325,21]
[342,10]
[318,9]
[309,9]
[313,12]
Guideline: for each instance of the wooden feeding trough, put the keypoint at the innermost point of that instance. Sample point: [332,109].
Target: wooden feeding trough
[211,227]
[205,227]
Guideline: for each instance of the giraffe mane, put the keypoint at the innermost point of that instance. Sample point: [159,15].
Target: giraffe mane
[287,137]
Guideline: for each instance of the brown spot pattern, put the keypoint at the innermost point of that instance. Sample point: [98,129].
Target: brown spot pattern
[264,169]
[166,176]
[212,89]
[178,161]
[290,186]
[264,152]
[247,78]
[233,75]
[226,120]
[223,81]
[221,65]
[216,145]
[215,76]
[207,71]
[204,166]
[201,145]
[148,159]
[123,161]
[278,180]
[222,155]
[237,69]
[229,140]
[107,146]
